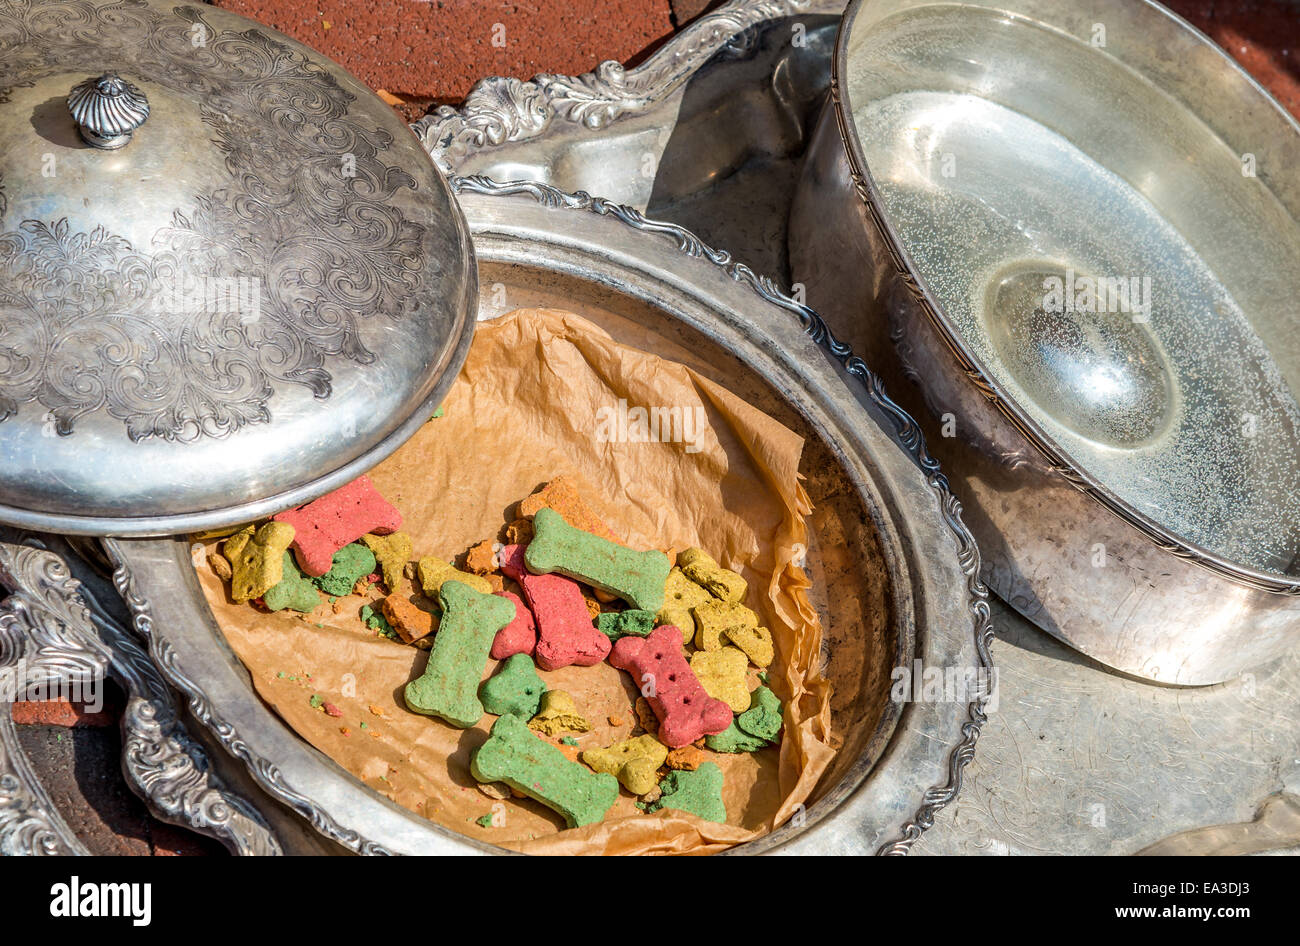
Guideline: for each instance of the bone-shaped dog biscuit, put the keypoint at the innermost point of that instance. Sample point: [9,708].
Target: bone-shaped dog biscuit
[514,690]
[685,711]
[636,577]
[294,591]
[514,755]
[714,620]
[681,597]
[392,552]
[721,582]
[256,559]
[433,572]
[325,525]
[698,792]
[634,762]
[722,674]
[565,634]
[520,635]
[616,624]
[449,685]
[756,642]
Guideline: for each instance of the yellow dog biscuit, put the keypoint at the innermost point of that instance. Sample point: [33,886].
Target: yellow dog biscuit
[558,714]
[756,642]
[634,762]
[434,571]
[722,674]
[256,559]
[681,596]
[392,552]
[715,618]
[721,582]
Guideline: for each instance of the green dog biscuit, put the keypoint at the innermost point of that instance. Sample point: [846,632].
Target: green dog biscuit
[630,623]
[376,621]
[351,564]
[734,739]
[514,690]
[514,755]
[294,591]
[763,718]
[636,577]
[698,793]
[449,686]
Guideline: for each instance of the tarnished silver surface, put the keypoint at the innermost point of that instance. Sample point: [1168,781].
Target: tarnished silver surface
[1274,830]
[1084,760]
[55,634]
[257,298]
[1154,528]
[537,245]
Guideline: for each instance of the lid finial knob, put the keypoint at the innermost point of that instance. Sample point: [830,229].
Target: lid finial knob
[107,110]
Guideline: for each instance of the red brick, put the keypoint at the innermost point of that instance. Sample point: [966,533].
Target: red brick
[60,713]
[433,52]
[686,10]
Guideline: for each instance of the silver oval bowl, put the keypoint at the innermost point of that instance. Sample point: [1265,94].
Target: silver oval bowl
[1128,447]
[912,585]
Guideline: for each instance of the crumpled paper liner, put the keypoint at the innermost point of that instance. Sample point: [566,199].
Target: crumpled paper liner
[523,411]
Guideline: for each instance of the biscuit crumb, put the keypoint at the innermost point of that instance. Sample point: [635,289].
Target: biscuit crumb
[519,532]
[687,758]
[645,716]
[479,558]
[220,566]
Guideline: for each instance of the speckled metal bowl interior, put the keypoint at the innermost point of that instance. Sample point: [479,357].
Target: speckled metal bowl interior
[1112,236]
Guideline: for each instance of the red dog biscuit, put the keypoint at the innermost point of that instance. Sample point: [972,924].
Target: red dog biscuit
[685,711]
[325,525]
[517,637]
[565,634]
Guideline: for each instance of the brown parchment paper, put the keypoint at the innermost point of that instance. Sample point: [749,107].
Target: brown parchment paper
[525,409]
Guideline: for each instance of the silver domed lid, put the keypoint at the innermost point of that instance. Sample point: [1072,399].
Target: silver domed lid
[231,279]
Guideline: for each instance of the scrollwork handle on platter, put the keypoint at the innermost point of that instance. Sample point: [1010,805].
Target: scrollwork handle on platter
[173,775]
[29,822]
[500,109]
[54,625]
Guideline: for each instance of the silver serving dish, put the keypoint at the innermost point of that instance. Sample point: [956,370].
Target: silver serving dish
[910,578]
[230,277]
[1067,234]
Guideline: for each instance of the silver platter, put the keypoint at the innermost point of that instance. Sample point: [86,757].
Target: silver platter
[914,560]
[1087,761]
